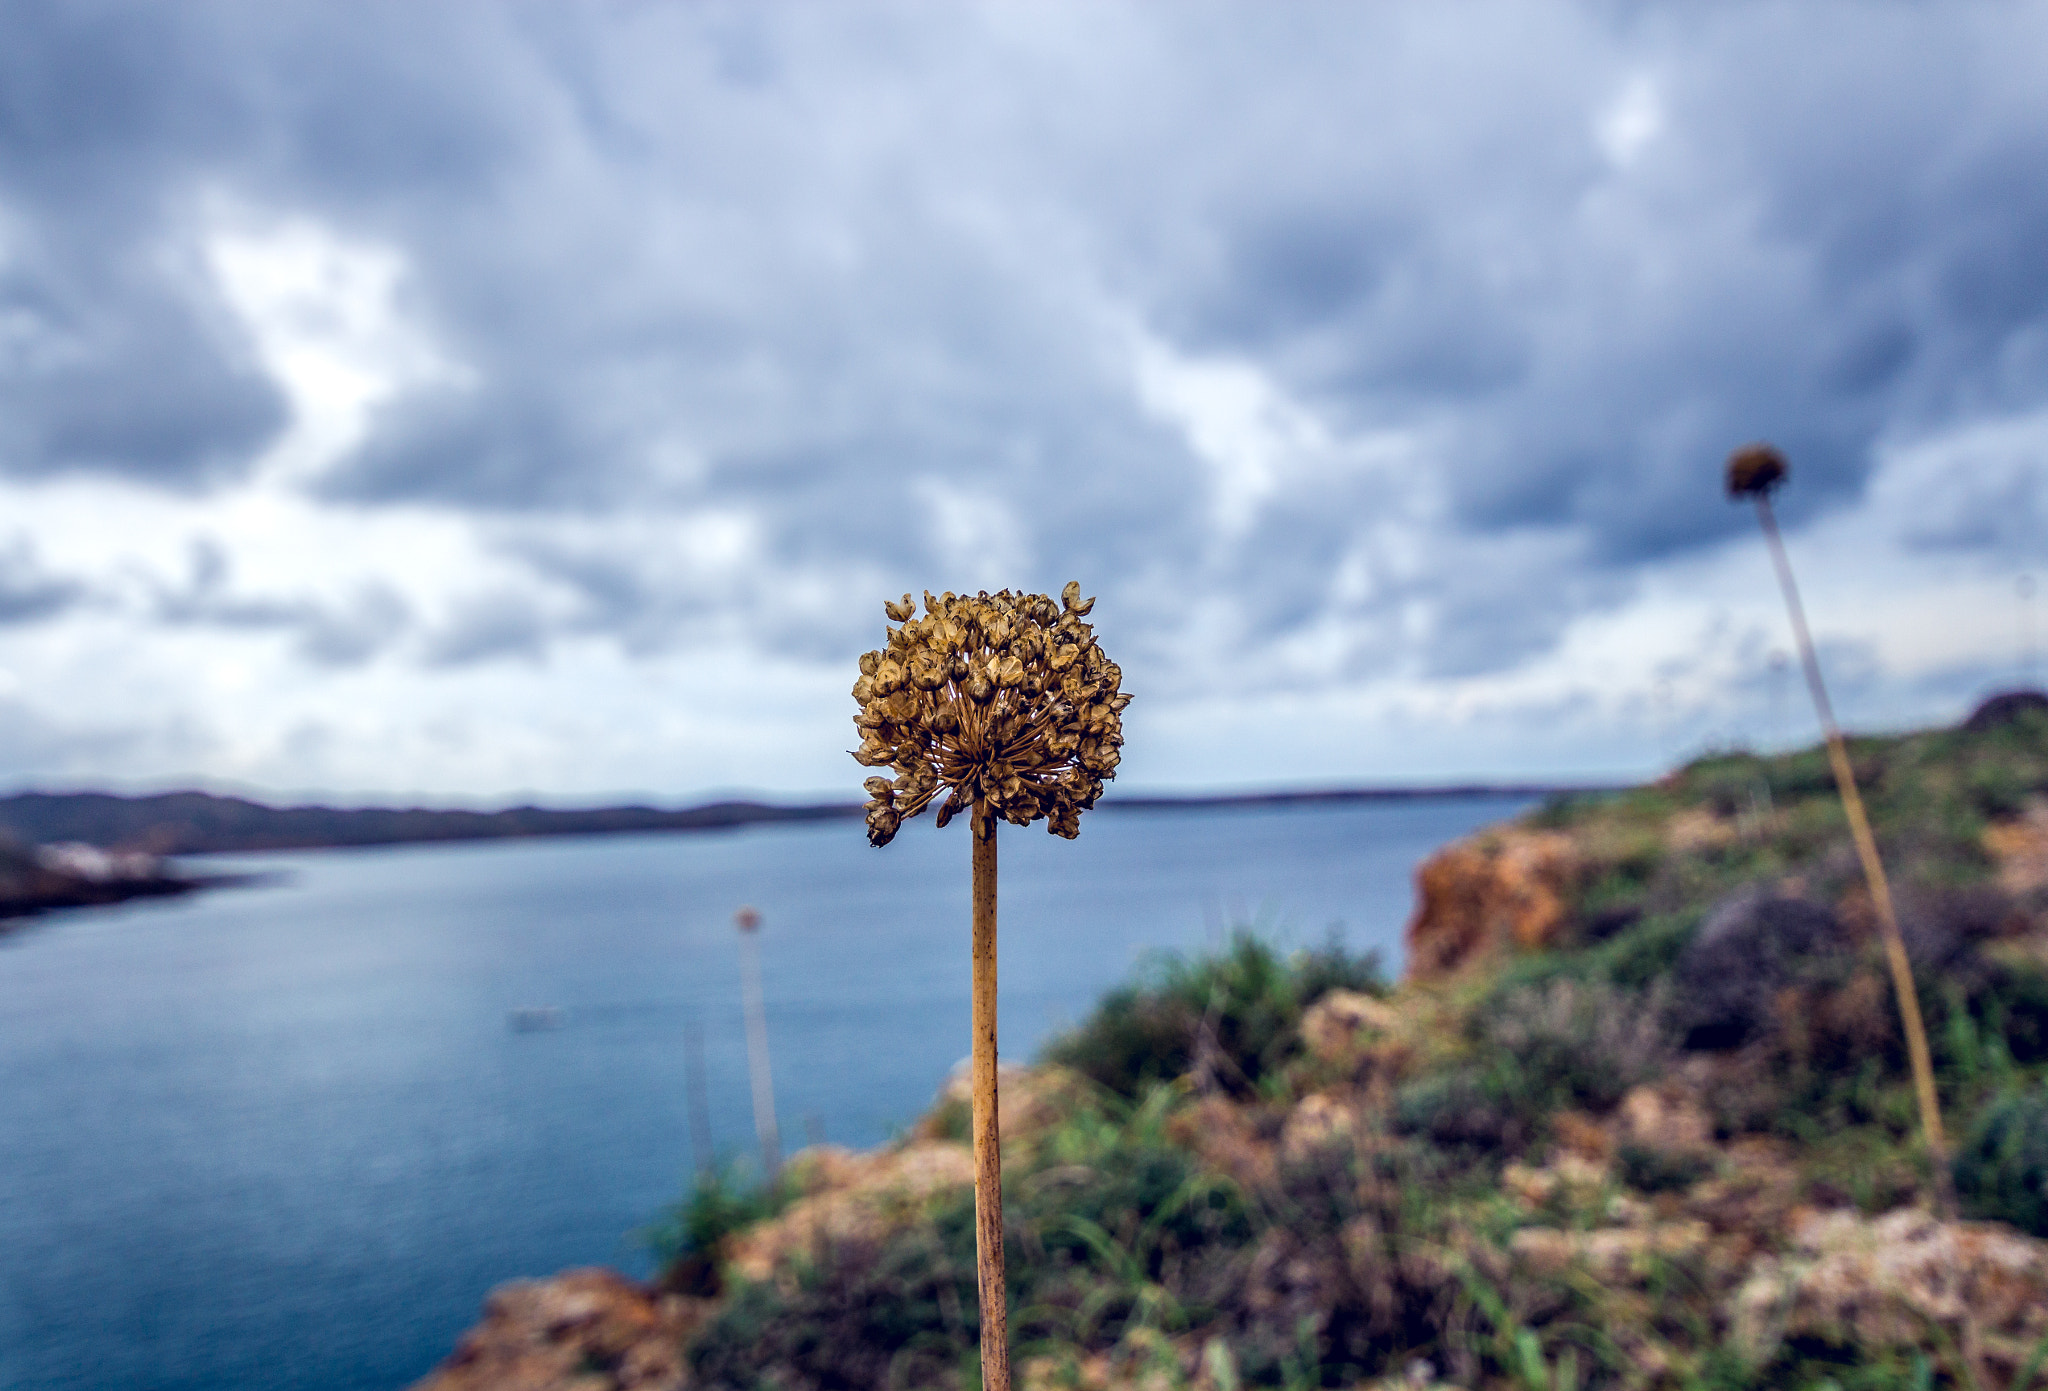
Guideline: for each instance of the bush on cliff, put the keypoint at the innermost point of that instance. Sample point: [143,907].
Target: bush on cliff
[1537,1049]
[2002,1169]
[686,1240]
[1111,1226]
[1233,1017]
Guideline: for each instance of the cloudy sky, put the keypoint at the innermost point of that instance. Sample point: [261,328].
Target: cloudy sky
[465,400]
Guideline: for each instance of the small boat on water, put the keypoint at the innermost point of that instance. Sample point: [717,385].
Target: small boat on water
[533,1019]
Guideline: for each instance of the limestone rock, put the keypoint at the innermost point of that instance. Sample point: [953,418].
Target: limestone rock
[1571,1177]
[1227,1138]
[1317,1120]
[592,1330]
[1892,1280]
[850,1196]
[1027,1098]
[1698,828]
[1338,1027]
[1505,888]
[1612,1255]
[2020,850]
[1664,1119]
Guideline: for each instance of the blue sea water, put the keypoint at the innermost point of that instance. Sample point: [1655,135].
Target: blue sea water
[284,1137]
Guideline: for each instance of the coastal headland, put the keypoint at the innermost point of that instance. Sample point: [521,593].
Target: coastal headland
[1637,1115]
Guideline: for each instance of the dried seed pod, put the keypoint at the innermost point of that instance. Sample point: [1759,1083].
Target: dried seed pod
[1000,698]
[1755,469]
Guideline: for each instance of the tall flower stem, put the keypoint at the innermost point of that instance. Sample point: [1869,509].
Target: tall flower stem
[988,1154]
[765,1128]
[1873,870]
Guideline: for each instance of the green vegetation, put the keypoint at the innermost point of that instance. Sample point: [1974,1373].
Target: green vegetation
[1608,1163]
[2002,1171]
[1232,1018]
[1112,1228]
[686,1239]
[1538,1049]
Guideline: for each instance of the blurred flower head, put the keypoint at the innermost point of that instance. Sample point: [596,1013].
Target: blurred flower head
[1754,470]
[1004,699]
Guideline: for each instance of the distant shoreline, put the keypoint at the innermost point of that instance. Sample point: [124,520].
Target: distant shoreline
[1464,792]
[197,823]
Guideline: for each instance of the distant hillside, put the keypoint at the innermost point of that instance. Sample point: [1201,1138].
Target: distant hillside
[190,823]
[174,823]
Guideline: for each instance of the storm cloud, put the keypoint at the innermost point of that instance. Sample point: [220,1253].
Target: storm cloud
[1354,356]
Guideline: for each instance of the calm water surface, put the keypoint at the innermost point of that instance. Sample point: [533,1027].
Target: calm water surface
[284,1137]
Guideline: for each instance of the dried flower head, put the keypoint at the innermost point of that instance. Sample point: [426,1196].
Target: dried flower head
[1004,699]
[1754,470]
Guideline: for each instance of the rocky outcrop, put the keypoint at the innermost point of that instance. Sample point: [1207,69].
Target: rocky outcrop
[1505,888]
[849,1196]
[2019,847]
[1891,1281]
[593,1330]
[1343,1023]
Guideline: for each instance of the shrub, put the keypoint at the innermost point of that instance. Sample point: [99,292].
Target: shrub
[2001,1172]
[1577,1043]
[1649,1170]
[898,1310]
[1751,946]
[1997,790]
[1648,950]
[1463,1111]
[1232,1017]
[1537,1049]
[685,1240]
[1109,1226]
[2011,998]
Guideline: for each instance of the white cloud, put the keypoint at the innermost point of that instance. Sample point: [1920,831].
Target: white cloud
[326,315]
[976,535]
[1634,119]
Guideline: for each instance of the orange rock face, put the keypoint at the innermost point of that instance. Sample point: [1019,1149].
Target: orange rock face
[591,1329]
[1500,890]
[2020,850]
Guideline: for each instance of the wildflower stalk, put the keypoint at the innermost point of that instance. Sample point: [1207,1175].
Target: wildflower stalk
[765,1128]
[1753,472]
[1006,703]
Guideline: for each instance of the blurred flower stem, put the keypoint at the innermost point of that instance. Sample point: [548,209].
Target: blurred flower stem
[1753,472]
[749,923]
